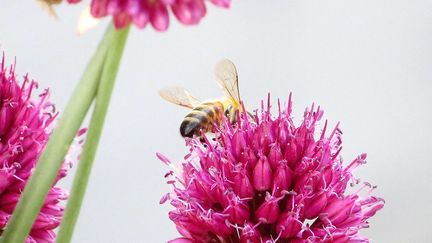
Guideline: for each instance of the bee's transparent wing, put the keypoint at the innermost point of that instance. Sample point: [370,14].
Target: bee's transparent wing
[227,78]
[179,96]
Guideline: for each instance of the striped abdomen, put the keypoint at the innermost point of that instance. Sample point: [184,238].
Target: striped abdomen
[202,118]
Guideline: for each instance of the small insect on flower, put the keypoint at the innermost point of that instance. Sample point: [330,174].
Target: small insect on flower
[268,180]
[205,114]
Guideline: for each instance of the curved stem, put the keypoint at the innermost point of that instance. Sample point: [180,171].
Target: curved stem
[103,96]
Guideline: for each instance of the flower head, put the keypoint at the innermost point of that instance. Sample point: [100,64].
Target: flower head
[268,180]
[155,12]
[25,125]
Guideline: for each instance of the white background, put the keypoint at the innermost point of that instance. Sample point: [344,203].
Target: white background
[367,63]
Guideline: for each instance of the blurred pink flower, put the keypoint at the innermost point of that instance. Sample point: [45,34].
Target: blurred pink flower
[25,125]
[155,12]
[268,180]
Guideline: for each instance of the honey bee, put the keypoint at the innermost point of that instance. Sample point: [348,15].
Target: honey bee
[205,113]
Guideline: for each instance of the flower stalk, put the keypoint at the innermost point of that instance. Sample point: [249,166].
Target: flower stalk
[104,92]
[51,160]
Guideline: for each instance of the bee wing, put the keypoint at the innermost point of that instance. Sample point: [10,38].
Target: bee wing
[227,78]
[179,96]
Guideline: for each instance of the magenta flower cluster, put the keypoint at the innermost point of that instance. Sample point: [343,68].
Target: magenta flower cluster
[268,180]
[25,125]
[155,12]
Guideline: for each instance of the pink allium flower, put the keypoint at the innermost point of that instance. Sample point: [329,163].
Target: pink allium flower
[155,12]
[268,180]
[25,125]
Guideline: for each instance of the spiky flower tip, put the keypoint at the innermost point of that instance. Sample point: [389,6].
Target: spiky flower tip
[25,125]
[155,12]
[268,180]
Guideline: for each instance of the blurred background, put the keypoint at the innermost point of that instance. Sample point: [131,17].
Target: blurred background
[367,63]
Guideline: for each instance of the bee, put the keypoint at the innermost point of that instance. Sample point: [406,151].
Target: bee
[205,113]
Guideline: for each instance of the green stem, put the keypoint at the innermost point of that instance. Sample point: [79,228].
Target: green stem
[103,97]
[58,145]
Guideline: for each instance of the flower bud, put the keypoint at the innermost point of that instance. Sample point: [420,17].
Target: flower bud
[288,226]
[269,211]
[250,234]
[262,175]
[283,177]
[238,211]
[314,205]
[243,186]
